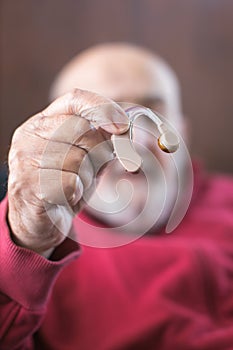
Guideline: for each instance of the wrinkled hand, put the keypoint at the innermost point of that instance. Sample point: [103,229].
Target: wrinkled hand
[44,163]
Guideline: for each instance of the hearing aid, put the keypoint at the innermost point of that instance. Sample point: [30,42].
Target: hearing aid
[124,150]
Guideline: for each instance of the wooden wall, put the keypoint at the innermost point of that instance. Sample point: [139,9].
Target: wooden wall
[195,36]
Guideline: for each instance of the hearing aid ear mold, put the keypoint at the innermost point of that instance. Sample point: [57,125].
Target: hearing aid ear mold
[126,153]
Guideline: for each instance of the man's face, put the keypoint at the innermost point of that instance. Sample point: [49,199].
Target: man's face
[132,202]
[140,201]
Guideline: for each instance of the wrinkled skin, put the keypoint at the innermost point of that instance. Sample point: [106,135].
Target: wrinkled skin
[63,128]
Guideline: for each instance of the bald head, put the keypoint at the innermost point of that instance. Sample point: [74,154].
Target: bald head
[124,73]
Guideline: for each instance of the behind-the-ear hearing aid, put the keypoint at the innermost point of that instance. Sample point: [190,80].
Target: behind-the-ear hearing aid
[168,141]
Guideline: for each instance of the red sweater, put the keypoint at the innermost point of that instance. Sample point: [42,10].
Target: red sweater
[161,292]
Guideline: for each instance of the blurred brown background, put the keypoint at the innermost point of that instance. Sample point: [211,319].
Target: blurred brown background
[194,36]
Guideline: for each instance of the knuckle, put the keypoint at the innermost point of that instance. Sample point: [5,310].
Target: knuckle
[17,184]
[73,94]
[17,135]
[75,91]
[37,123]
[14,186]
[16,155]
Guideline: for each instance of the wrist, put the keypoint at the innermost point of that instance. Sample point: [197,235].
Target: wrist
[44,250]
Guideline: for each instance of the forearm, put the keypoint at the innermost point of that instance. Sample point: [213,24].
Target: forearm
[26,282]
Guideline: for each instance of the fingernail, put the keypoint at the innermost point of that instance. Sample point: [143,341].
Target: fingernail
[122,127]
[121,120]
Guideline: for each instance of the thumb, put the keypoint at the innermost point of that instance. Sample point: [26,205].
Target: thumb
[109,116]
[98,110]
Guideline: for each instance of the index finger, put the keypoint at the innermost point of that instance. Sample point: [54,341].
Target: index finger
[98,110]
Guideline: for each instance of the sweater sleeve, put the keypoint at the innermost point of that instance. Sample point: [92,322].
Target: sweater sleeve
[26,282]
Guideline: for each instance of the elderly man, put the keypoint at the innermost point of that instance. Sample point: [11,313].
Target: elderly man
[158,292]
